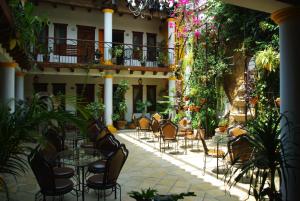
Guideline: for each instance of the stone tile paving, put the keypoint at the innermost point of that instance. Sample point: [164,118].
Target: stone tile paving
[147,167]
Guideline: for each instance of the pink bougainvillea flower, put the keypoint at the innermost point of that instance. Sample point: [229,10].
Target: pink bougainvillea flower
[183,2]
[171,24]
[196,20]
[197,34]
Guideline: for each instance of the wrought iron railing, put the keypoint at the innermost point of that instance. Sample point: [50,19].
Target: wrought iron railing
[73,51]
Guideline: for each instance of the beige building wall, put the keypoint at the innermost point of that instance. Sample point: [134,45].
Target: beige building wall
[72,80]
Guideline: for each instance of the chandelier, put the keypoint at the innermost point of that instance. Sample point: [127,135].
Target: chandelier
[138,7]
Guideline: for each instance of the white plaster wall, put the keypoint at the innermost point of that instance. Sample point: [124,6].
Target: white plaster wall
[72,80]
[80,16]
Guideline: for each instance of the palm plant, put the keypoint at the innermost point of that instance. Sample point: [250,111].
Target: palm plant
[264,167]
[19,128]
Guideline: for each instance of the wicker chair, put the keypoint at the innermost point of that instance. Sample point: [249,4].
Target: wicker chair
[49,185]
[108,179]
[239,150]
[168,133]
[157,117]
[215,153]
[144,125]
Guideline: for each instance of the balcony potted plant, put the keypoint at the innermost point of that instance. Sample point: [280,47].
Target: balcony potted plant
[143,59]
[161,59]
[118,51]
[120,106]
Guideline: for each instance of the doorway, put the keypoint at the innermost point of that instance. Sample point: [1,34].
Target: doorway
[118,40]
[137,95]
[85,44]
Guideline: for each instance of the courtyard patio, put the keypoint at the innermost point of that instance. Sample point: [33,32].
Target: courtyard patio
[148,167]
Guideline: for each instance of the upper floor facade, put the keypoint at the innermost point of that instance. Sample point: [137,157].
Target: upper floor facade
[102,37]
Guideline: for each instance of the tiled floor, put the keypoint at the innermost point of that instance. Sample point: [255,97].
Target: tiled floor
[147,167]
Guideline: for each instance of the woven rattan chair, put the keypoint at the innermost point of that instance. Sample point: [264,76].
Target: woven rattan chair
[215,153]
[144,125]
[92,135]
[168,133]
[239,150]
[157,117]
[108,179]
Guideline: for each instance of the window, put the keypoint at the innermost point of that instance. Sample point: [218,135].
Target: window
[60,35]
[151,97]
[137,41]
[85,93]
[137,95]
[40,87]
[43,40]
[151,47]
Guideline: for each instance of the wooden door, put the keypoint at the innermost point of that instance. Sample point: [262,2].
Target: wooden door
[151,97]
[101,44]
[151,47]
[85,44]
[137,95]
[85,93]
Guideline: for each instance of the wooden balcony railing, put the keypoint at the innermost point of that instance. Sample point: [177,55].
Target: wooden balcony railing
[72,51]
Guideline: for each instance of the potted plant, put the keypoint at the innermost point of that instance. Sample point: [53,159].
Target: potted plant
[268,158]
[118,54]
[223,124]
[95,109]
[161,59]
[143,59]
[143,195]
[141,106]
[120,106]
[152,195]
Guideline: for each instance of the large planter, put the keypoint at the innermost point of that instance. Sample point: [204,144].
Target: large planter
[121,124]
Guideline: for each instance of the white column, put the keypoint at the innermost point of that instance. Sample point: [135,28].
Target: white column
[108,99]
[7,83]
[172,93]
[19,86]
[171,40]
[108,13]
[289,31]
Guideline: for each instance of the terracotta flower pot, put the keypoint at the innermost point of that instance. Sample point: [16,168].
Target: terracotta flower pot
[203,101]
[222,128]
[186,107]
[197,108]
[121,124]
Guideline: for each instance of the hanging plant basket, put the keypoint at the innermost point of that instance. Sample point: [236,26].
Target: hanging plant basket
[253,100]
[186,98]
[203,101]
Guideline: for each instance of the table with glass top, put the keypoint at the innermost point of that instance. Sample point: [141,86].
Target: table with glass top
[80,158]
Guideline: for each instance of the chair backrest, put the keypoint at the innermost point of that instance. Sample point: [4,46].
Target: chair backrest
[144,123]
[108,145]
[42,170]
[239,149]
[201,135]
[155,125]
[183,122]
[157,117]
[93,132]
[114,165]
[49,153]
[169,131]
[53,137]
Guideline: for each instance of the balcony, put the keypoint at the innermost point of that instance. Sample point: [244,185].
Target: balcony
[87,52]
